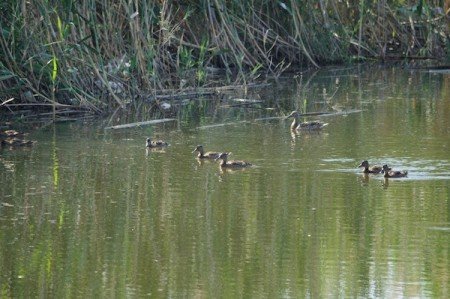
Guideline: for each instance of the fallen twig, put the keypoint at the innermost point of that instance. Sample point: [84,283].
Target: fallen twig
[7,101]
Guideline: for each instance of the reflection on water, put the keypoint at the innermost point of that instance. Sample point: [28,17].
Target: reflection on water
[93,213]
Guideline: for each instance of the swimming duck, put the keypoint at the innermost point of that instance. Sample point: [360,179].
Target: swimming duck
[203,155]
[11,133]
[233,163]
[13,141]
[154,144]
[372,169]
[388,173]
[308,125]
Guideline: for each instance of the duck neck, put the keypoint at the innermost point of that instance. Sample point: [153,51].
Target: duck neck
[201,153]
[224,162]
[294,124]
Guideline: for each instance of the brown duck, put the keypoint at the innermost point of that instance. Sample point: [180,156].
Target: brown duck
[308,125]
[370,169]
[231,164]
[155,144]
[388,173]
[203,155]
[15,142]
[11,133]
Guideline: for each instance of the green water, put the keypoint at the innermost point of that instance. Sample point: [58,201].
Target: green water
[89,213]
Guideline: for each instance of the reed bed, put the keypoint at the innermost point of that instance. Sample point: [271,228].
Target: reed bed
[97,55]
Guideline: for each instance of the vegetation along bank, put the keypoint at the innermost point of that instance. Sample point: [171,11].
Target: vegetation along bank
[96,55]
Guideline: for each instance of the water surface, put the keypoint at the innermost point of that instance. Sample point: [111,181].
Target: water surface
[88,212]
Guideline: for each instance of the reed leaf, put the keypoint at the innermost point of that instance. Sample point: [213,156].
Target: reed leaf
[54,72]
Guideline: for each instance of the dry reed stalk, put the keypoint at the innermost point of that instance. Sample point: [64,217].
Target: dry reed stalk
[244,38]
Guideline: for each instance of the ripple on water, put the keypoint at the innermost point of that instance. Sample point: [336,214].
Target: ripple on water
[439,228]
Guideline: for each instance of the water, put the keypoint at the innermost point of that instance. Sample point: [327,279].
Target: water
[87,212]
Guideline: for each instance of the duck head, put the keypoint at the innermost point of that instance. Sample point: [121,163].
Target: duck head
[222,156]
[148,142]
[364,164]
[293,114]
[198,148]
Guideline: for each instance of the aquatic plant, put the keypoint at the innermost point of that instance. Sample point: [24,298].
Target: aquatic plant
[98,55]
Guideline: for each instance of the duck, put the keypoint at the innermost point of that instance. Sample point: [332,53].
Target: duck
[231,164]
[14,141]
[203,155]
[11,133]
[308,125]
[372,169]
[155,144]
[388,173]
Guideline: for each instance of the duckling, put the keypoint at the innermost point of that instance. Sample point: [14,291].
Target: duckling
[155,144]
[231,164]
[203,155]
[373,169]
[388,173]
[308,125]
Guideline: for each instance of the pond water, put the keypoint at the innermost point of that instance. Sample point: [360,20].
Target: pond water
[88,212]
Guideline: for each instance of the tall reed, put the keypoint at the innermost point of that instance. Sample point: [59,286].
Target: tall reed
[100,54]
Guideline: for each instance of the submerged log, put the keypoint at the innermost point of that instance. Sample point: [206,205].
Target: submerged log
[180,96]
[331,113]
[200,92]
[221,125]
[247,101]
[140,124]
[344,112]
